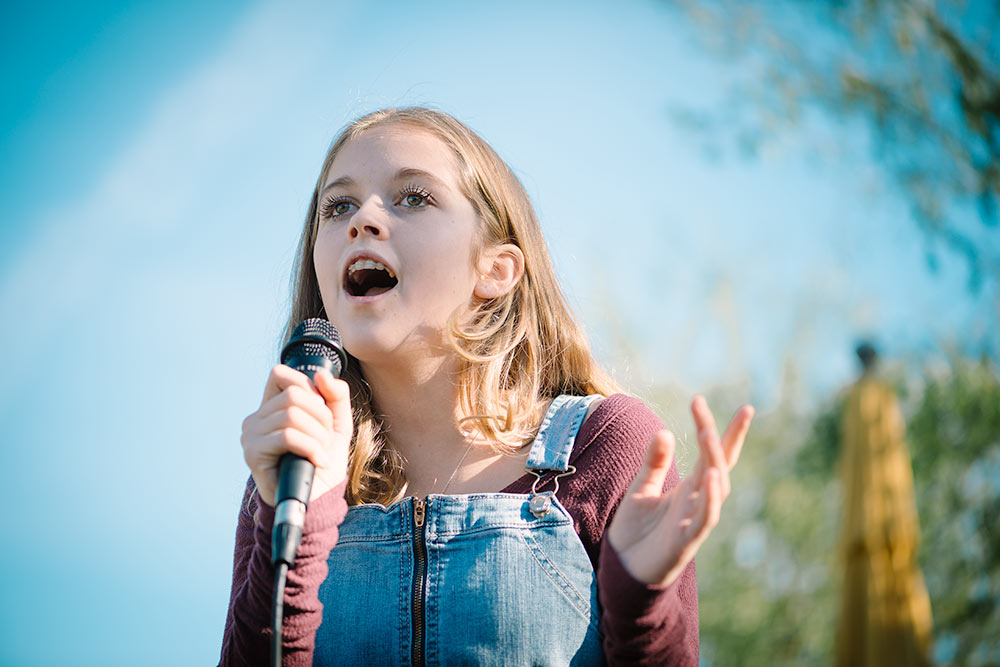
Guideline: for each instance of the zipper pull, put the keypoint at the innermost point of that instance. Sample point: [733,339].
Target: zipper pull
[419,512]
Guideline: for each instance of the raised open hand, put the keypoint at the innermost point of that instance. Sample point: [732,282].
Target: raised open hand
[656,534]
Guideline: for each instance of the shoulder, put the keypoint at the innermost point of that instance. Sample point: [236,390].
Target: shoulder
[614,438]
[613,441]
[620,420]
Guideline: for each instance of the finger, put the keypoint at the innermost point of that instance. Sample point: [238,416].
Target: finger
[282,377]
[293,441]
[736,433]
[305,398]
[653,471]
[296,418]
[708,439]
[703,420]
[337,396]
[709,508]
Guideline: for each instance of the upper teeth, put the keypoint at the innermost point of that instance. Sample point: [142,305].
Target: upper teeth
[369,264]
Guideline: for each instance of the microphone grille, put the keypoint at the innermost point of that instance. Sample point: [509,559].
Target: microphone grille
[316,327]
[316,337]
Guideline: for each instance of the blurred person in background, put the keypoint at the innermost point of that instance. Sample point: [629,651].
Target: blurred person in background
[885,615]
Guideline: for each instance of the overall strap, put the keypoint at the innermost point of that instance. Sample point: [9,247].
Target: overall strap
[551,448]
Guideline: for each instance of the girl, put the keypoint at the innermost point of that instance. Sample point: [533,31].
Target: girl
[483,493]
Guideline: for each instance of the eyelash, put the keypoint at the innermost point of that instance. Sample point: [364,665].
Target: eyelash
[327,208]
[419,191]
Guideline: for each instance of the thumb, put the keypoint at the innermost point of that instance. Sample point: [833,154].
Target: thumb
[337,395]
[659,455]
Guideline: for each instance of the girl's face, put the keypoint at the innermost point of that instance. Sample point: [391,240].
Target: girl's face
[394,248]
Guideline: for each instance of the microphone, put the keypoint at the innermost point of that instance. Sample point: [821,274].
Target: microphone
[314,345]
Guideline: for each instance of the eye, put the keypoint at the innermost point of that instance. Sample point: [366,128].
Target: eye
[414,196]
[335,207]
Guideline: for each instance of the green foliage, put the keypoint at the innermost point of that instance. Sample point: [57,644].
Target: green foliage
[923,79]
[954,439]
[768,576]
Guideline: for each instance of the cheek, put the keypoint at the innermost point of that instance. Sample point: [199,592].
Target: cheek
[452,268]
[324,254]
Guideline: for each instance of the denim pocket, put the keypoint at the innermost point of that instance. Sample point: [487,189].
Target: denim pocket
[575,580]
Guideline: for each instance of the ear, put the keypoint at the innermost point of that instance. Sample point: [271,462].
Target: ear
[500,269]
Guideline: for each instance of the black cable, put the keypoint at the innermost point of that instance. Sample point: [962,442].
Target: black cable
[277,611]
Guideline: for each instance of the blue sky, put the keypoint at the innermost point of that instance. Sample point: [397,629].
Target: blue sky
[156,162]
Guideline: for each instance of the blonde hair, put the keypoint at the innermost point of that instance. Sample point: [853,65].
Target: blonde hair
[516,351]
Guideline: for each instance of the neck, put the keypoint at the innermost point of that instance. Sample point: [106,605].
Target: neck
[419,406]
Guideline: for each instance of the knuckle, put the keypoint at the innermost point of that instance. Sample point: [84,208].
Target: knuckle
[314,400]
[299,394]
[295,416]
[286,435]
[286,398]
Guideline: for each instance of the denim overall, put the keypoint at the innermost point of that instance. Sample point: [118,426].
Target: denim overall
[478,579]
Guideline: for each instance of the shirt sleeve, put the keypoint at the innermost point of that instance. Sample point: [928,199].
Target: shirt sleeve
[247,637]
[642,625]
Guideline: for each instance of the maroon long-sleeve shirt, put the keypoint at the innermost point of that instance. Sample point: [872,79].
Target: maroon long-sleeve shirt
[642,625]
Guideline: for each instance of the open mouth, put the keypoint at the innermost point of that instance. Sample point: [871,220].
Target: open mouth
[366,277]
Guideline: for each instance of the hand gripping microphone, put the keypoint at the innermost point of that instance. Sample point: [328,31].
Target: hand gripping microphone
[313,346]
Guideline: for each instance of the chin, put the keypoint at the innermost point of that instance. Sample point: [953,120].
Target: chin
[365,343]
[379,344]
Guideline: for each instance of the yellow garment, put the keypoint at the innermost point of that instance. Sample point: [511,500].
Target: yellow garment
[885,613]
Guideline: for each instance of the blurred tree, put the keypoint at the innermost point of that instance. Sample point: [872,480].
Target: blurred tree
[954,437]
[921,75]
[768,577]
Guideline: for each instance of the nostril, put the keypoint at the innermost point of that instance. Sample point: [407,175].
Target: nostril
[372,230]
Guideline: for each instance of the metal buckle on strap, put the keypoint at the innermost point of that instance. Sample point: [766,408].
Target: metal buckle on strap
[540,503]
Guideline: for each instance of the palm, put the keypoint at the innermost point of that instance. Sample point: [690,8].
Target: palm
[656,534]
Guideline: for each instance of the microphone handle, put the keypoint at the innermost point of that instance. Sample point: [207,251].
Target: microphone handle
[295,478]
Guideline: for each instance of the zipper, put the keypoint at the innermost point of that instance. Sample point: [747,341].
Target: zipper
[419,579]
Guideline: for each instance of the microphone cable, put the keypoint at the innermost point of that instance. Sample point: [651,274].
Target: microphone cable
[277,611]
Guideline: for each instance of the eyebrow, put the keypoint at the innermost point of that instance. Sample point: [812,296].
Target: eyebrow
[408,172]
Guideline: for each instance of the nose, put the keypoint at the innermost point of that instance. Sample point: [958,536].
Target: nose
[369,220]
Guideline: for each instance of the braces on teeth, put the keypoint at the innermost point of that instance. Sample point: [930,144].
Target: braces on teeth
[370,264]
